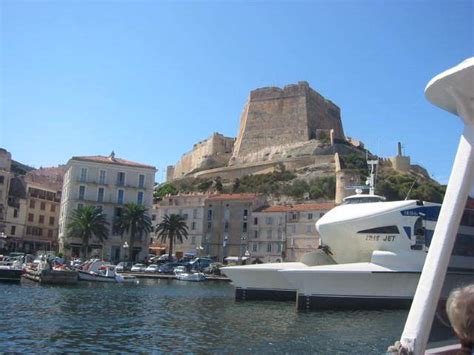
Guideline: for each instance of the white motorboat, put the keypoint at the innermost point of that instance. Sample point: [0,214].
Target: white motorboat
[264,282]
[100,271]
[395,237]
[10,270]
[181,274]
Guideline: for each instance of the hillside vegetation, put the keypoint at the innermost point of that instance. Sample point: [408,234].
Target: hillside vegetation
[392,185]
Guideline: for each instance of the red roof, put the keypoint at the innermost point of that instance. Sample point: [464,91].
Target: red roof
[112,160]
[242,196]
[300,207]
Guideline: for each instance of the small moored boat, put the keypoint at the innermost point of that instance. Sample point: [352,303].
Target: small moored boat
[100,271]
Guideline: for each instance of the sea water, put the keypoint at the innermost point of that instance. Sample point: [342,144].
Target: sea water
[161,316]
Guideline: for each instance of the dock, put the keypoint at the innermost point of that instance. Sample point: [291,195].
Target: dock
[146,275]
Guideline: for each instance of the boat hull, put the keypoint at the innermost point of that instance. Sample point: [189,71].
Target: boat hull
[53,277]
[10,275]
[365,290]
[262,282]
[86,276]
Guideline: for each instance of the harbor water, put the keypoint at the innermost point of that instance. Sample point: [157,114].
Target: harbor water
[162,316]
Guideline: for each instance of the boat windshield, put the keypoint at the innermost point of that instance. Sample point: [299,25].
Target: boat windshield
[362,199]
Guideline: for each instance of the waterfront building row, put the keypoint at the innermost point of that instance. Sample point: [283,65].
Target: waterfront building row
[243,226]
[35,209]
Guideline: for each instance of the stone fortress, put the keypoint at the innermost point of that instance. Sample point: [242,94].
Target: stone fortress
[212,152]
[294,126]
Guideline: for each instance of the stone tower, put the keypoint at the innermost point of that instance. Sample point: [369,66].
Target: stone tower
[274,116]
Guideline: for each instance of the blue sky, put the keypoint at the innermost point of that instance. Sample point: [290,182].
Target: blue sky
[148,79]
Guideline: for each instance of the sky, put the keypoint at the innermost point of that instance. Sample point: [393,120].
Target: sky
[148,79]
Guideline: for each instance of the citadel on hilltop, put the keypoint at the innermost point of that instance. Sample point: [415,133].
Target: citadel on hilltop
[276,126]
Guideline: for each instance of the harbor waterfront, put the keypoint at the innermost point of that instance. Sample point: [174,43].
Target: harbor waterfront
[161,315]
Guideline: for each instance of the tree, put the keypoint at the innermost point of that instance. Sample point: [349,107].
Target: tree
[87,222]
[163,190]
[172,227]
[135,221]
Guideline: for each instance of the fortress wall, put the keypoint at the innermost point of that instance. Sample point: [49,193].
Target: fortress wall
[274,116]
[214,150]
[266,119]
[323,114]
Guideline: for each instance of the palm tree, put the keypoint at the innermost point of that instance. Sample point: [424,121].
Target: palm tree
[134,220]
[86,222]
[172,227]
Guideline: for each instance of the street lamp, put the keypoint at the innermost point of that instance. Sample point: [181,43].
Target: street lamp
[243,238]
[125,247]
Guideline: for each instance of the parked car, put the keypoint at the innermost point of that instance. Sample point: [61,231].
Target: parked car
[138,268]
[199,264]
[167,268]
[124,266]
[152,268]
[166,259]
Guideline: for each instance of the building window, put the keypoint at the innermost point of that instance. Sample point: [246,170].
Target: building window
[269,221]
[321,214]
[50,233]
[120,197]
[244,227]
[13,230]
[82,192]
[41,219]
[141,181]
[193,225]
[28,230]
[255,221]
[255,234]
[2,179]
[279,247]
[30,217]
[193,240]
[195,213]
[279,233]
[120,178]
[102,177]
[254,247]
[310,216]
[209,225]
[140,198]
[308,228]
[246,213]
[42,206]
[83,176]
[53,208]
[269,234]
[51,221]
[100,194]
[209,215]
[226,226]
[15,213]
[32,203]
[153,217]
[269,247]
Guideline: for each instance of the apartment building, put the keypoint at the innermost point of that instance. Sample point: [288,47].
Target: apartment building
[285,232]
[33,210]
[5,177]
[226,223]
[108,183]
[191,208]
